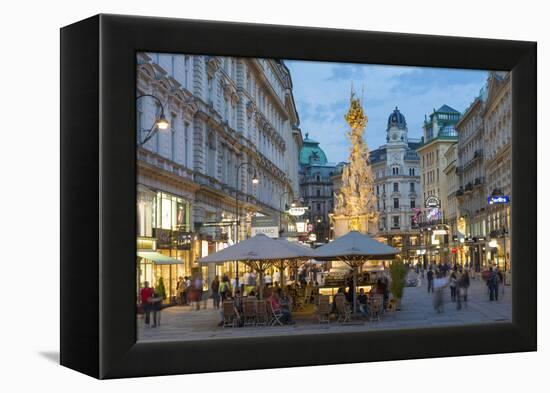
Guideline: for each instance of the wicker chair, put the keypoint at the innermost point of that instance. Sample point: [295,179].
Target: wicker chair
[342,309]
[261,313]
[249,312]
[323,309]
[230,318]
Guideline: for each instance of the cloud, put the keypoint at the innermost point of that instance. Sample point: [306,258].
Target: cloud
[322,91]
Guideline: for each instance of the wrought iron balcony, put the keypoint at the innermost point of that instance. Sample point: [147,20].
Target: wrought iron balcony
[469,187]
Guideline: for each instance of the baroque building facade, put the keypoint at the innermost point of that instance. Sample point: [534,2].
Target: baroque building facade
[396,169]
[231,120]
[316,187]
[472,197]
[439,135]
[497,119]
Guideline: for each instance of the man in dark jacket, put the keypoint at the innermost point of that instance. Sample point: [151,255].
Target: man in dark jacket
[430,276]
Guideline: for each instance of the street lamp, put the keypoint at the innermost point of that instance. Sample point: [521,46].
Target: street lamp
[255,181]
[281,209]
[160,123]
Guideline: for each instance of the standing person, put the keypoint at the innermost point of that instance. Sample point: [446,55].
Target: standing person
[186,288]
[430,276]
[198,290]
[180,286]
[156,306]
[453,286]
[464,284]
[492,283]
[225,289]
[215,288]
[145,295]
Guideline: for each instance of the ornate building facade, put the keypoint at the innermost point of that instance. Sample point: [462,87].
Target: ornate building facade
[231,120]
[470,192]
[316,187]
[497,119]
[439,135]
[396,168]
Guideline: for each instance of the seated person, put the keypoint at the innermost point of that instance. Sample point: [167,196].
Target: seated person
[286,317]
[362,302]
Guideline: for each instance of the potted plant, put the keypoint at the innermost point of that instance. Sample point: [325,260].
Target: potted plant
[161,289]
[398,272]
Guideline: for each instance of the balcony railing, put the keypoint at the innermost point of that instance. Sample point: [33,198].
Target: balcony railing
[479,181]
[469,187]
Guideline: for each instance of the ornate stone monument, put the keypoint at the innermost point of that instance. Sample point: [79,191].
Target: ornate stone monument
[355,202]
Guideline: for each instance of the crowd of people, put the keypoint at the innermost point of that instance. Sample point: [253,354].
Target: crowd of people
[457,278]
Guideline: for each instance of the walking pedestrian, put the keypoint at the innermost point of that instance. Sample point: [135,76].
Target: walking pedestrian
[145,296]
[453,286]
[430,276]
[439,285]
[492,283]
[215,287]
[180,287]
[464,284]
[156,306]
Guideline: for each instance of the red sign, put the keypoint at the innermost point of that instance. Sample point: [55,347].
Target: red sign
[454,250]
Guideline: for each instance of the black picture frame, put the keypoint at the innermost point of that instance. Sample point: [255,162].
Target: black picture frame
[98,193]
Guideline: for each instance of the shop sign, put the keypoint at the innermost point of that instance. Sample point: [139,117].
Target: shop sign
[297,211]
[164,238]
[439,231]
[265,225]
[312,237]
[432,202]
[309,227]
[301,226]
[498,199]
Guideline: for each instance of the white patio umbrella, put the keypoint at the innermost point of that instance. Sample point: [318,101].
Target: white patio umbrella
[258,252]
[303,254]
[354,249]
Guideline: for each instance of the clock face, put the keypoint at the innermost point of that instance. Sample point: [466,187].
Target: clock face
[394,136]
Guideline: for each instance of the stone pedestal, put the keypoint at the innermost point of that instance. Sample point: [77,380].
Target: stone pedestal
[344,224]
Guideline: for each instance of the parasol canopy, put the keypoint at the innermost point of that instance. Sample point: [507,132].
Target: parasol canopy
[257,248]
[352,246]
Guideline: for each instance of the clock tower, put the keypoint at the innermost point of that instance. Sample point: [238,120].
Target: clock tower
[396,140]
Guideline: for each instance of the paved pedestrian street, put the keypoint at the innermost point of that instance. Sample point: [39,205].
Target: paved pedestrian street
[181,323]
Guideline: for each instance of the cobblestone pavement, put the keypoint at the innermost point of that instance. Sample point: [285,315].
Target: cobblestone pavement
[181,323]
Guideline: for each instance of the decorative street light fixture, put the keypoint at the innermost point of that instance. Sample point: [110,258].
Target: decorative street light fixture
[254,181]
[160,123]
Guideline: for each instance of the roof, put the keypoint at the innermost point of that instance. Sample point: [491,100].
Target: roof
[311,153]
[396,119]
[447,109]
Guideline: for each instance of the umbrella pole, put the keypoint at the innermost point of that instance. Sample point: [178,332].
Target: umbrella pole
[355,290]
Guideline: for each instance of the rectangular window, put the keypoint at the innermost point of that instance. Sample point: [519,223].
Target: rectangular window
[318,192]
[412,187]
[395,187]
[396,203]
[396,221]
[318,207]
[413,203]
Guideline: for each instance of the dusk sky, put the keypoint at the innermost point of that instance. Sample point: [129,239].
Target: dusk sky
[322,91]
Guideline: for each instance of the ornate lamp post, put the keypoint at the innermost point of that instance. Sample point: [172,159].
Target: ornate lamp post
[281,209]
[254,181]
[160,123]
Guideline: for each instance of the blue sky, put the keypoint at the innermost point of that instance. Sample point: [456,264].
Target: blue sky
[322,90]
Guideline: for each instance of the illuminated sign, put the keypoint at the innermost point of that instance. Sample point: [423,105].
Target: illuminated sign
[312,237]
[432,202]
[498,199]
[440,232]
[297,211]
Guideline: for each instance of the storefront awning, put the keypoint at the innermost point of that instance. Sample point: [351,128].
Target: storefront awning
[158,258]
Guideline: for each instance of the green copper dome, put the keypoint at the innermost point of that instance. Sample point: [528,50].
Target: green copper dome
[311,153]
